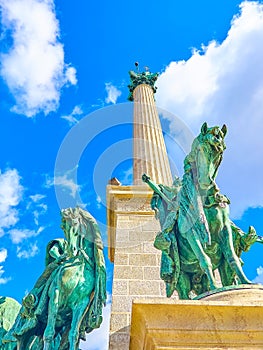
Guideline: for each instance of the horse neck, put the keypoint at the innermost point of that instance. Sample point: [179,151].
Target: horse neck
[85,244]
[209,174]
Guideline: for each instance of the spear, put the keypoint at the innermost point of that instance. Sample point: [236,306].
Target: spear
[157,189]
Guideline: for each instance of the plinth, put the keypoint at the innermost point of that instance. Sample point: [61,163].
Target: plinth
[231,318]
[132,228]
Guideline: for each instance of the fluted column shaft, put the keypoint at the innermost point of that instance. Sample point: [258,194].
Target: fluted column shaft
[149,150]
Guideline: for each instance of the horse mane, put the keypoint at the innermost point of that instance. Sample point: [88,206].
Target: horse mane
[198,143]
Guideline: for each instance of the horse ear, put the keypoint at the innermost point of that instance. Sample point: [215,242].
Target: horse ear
[224,129]
[204,128]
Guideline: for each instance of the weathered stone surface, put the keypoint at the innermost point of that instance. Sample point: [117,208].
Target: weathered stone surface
[151,273]
[144,288]
[122,259]
[133,251]
[143,259]
[230,319]
[128,272]
[149,248]
[121,304]
[120,287]
[119,320]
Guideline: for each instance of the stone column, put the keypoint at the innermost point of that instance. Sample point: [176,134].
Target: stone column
[132,226]
[149,150]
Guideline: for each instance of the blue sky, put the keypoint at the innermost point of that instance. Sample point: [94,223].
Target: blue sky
[66,123]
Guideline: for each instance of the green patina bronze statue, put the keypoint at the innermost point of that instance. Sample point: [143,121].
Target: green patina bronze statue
[197,235]
[9,309]
[66,301]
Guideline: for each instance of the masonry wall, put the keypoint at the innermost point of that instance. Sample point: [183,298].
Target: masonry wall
[136,261]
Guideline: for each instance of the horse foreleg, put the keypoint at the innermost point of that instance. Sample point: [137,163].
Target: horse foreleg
[51,321]
[227,275]
[203,258]
[183,286]
[77,317]
[228,250]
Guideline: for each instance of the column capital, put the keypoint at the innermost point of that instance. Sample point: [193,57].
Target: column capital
[137,79]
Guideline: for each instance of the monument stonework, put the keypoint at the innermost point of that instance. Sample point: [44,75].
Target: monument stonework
[131,222]
[193,249]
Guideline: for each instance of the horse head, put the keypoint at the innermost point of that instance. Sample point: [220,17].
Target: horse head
[214,137]
[206,155]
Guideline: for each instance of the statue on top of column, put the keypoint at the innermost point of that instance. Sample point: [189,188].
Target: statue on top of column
[137,78]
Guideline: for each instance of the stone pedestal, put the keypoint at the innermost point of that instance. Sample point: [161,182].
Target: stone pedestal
[131,231]
[231,318]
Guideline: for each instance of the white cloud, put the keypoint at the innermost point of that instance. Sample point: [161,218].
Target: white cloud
[99,202]
[36,207]
[11,192]
[66,182]
[71,75]
[3,280]
[72,117]
[112,93]
[98,339]
[126,176]
[3,255]
[259,278]
[19,235]
[30,252]
[10,195]
[37,197]
[41,210]
[222,83]
[34,67]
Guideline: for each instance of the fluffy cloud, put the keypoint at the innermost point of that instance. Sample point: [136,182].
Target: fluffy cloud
[3,280]
[66,182]
[112,93]
[34,68]
[3,256]
[27,253]
[126,176]
[222,83]
[19,235]
[36,207]
[10,195]
[72,117]
[259,278]
[37,197]
[99,202]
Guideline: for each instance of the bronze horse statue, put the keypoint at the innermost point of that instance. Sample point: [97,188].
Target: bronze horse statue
[66,301]
[9,309]
[197,234]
